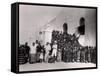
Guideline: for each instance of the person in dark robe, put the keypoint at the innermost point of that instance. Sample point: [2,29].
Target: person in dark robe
[38,52]
[27,50]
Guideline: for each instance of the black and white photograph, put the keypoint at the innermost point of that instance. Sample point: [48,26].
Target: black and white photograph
[56,37]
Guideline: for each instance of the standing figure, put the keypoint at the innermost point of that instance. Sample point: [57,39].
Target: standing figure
[42,54]
[26,52]
[78,54]
[89,54]
[75,54]
[54,51]
[38,52]
[59,55]
[32,58]
[82,55]
[47,51]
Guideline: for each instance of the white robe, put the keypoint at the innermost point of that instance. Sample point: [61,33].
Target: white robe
[54,52]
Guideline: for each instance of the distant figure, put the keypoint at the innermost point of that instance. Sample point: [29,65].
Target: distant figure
[23,53]
[47,51]
[89,54]
[79,54]
[38,52]
[82,55]
[27,50]
[59,55]
[33,53]
[54,52]
[42,52]
[41,56]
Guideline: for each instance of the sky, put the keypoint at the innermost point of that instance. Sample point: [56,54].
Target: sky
[33,19]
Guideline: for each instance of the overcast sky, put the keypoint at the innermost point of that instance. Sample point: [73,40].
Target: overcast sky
[33,18]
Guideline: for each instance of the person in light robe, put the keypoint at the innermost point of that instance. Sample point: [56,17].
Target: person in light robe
[54,51]
[33,53]
[47,51]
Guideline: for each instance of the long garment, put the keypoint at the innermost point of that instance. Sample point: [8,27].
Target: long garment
[54,52]
[59,56]
[38,52]
[82,56]
[48,49]
[32,58]
[78,56]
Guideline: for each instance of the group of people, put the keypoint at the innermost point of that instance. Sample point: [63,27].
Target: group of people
[71,50]
[38,52]
[42,53]
[63,47]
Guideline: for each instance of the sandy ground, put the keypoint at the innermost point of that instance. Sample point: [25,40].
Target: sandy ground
[56,65]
